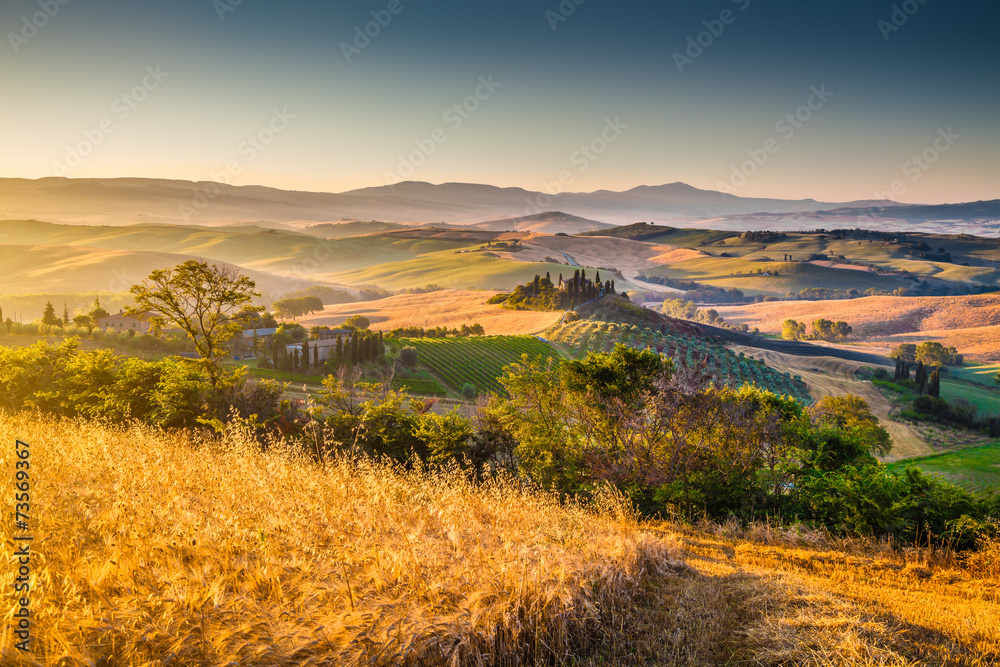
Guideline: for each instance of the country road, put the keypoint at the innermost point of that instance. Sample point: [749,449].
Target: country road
[827,376]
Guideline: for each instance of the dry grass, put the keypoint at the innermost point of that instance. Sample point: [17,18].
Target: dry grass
[970,323]
[451,308]
[153,548]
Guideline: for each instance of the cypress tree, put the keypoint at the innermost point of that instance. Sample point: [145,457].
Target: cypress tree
[354,348]
[934,384]
[305,355]
[274,354]
[65,315]
[921,377]
[316,356]
[340,351]
[612,286]
[535,286]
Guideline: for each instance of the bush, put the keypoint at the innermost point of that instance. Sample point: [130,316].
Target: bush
[408,356]
[469,391]
[497,299]
[933,406]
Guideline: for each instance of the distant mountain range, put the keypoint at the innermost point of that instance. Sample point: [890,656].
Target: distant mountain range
[137,200]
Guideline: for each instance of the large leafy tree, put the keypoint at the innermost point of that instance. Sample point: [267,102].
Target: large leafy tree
[201,300]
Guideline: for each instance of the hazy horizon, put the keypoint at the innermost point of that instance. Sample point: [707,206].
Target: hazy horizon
[834,102]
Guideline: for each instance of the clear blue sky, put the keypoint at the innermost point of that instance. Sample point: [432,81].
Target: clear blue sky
[230,66]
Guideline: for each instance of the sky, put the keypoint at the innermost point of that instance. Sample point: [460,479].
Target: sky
[835,101]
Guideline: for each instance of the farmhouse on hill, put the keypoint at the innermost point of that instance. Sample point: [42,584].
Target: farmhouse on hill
[140,322]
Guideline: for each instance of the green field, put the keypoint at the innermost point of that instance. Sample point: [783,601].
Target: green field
[478,361]
[975,469]
[249,247]
[742,273]
[476,270]
[986,400]
[984,374]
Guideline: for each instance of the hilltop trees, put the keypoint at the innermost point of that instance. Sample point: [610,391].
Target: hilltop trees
[296,307]
[822,329]
[792,330]
[199,299]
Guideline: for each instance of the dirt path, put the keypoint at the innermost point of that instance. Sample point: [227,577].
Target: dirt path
[826,376]
[633,277]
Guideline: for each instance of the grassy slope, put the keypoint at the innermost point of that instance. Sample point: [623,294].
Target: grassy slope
[475,270]
[986,399]
[278,251]
[741,273]
[984,374]
[976,468]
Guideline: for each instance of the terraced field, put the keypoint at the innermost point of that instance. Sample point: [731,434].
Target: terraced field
[601,331]
[478,361]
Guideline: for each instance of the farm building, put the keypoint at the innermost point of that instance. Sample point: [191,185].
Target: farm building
[140,322]
[324,348]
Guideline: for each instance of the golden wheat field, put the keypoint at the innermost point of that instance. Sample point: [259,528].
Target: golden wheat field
[156,548]
[152,549]
[451,308]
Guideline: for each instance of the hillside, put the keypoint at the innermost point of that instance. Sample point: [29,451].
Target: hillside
[201,553]
[39,269]
[292,253]
[343,230]
[970,323]
[450,308]
[553,222]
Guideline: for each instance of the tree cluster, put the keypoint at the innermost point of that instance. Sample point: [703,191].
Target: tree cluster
[287,309]
[465,331]
[822,329]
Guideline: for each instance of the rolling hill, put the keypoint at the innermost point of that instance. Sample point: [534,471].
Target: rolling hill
[969,323]
[36,269]
[451,308]
[553,222]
